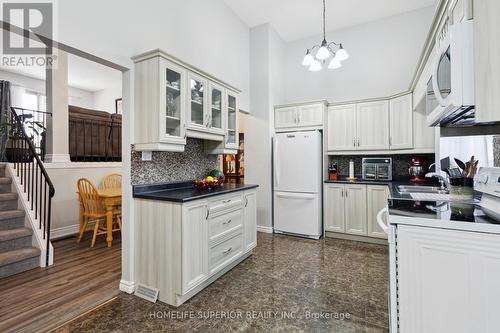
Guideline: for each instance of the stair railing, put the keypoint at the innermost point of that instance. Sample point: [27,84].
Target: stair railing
[35,181]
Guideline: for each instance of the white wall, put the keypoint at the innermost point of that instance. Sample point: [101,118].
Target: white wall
[77,97]
[104,100]
[266,79]
[383,59]
[204,33]
[65,205]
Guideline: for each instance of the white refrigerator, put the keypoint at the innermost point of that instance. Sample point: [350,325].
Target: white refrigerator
[297,186]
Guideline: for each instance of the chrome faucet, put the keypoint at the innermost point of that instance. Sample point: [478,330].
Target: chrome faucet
[442,180]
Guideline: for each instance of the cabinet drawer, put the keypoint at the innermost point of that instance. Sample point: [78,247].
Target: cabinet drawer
[222,224]
[225,204]
[224,252]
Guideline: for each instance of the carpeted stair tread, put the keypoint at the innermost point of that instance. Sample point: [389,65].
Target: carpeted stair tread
[11,214]
[10,234]
[13,256]
[8,196]
[5,180]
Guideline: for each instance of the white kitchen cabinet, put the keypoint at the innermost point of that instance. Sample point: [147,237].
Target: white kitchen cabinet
[174,100]
[401,122]
[232,134]
[334,214]
[372,119]
[183,247]
[230,113]
[362,126]
[285,117]
[311,115]
[194,245]
[447,280]
[352,208]
[355,210]
[487,65]
[461,10]
[199,112]
[217,120]
[249,214]
[376,199]
[342,128]
[297,117]
[160,97]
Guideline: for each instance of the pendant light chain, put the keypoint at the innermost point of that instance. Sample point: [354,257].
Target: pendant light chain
[324,52]
[324,20]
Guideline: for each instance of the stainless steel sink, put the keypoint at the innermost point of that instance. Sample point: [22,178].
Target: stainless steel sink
[421,189]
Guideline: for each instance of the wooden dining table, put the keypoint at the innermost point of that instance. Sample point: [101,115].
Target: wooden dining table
[111,199]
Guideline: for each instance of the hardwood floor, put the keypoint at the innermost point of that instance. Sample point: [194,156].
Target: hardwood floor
[80,279]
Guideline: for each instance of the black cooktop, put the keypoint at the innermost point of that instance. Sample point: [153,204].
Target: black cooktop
[440,210]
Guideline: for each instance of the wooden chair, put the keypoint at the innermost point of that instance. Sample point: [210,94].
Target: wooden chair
[94,211]
[112,181]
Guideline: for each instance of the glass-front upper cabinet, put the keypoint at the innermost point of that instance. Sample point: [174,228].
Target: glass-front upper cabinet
[198,117]
[232,121]
[216,114]
[174,101]
[172,80]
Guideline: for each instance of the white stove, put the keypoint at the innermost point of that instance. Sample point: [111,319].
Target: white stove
[487,182]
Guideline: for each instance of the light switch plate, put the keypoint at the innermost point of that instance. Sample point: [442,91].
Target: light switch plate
[147,155]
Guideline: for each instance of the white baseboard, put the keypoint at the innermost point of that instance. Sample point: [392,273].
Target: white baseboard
[65,231]
[267,230]
[127,286]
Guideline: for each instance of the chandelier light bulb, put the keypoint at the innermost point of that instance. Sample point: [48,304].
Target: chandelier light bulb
[334,63]
[323,53]
[316,66]
[308,59]
[341,54]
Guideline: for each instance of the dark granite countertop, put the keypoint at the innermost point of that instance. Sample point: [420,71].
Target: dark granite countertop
[184,191]
[393,184]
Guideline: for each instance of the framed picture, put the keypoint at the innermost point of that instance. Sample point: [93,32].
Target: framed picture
[118,105]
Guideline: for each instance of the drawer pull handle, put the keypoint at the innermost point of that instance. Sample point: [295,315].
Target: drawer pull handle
[227,251]
[246,201]
[208,213]
[226,201]
[229,221]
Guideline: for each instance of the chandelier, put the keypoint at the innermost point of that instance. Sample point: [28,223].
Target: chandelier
[325,51]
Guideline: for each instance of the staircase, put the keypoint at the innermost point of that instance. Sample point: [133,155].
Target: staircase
[16,251]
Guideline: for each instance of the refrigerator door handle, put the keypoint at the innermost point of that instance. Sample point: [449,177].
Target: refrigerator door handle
[276,162]
[296,196]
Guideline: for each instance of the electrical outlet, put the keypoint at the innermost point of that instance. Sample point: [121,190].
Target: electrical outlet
[147,156]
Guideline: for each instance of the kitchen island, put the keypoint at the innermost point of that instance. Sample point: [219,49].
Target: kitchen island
[188,238]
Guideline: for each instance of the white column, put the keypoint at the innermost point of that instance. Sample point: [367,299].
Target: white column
[57,102]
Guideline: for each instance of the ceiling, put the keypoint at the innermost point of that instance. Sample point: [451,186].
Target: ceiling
[297,19]
[82,74]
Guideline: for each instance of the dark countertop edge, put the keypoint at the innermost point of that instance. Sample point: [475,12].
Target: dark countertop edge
[392,184]
[151,195]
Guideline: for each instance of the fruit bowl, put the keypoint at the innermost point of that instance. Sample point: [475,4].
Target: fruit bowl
[208,183]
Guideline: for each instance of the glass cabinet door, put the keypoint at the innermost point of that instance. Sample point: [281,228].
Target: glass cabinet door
[231,120]
[197,102]
[173,103]
[215,117]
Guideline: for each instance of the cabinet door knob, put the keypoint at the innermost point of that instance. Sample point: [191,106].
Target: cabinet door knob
[246,201]
[208,213]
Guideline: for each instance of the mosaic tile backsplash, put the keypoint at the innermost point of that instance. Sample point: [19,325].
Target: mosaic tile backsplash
[400,163]
[171,166]
[496,150]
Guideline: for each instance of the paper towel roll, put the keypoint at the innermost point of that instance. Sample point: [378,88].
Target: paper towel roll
[351,169]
